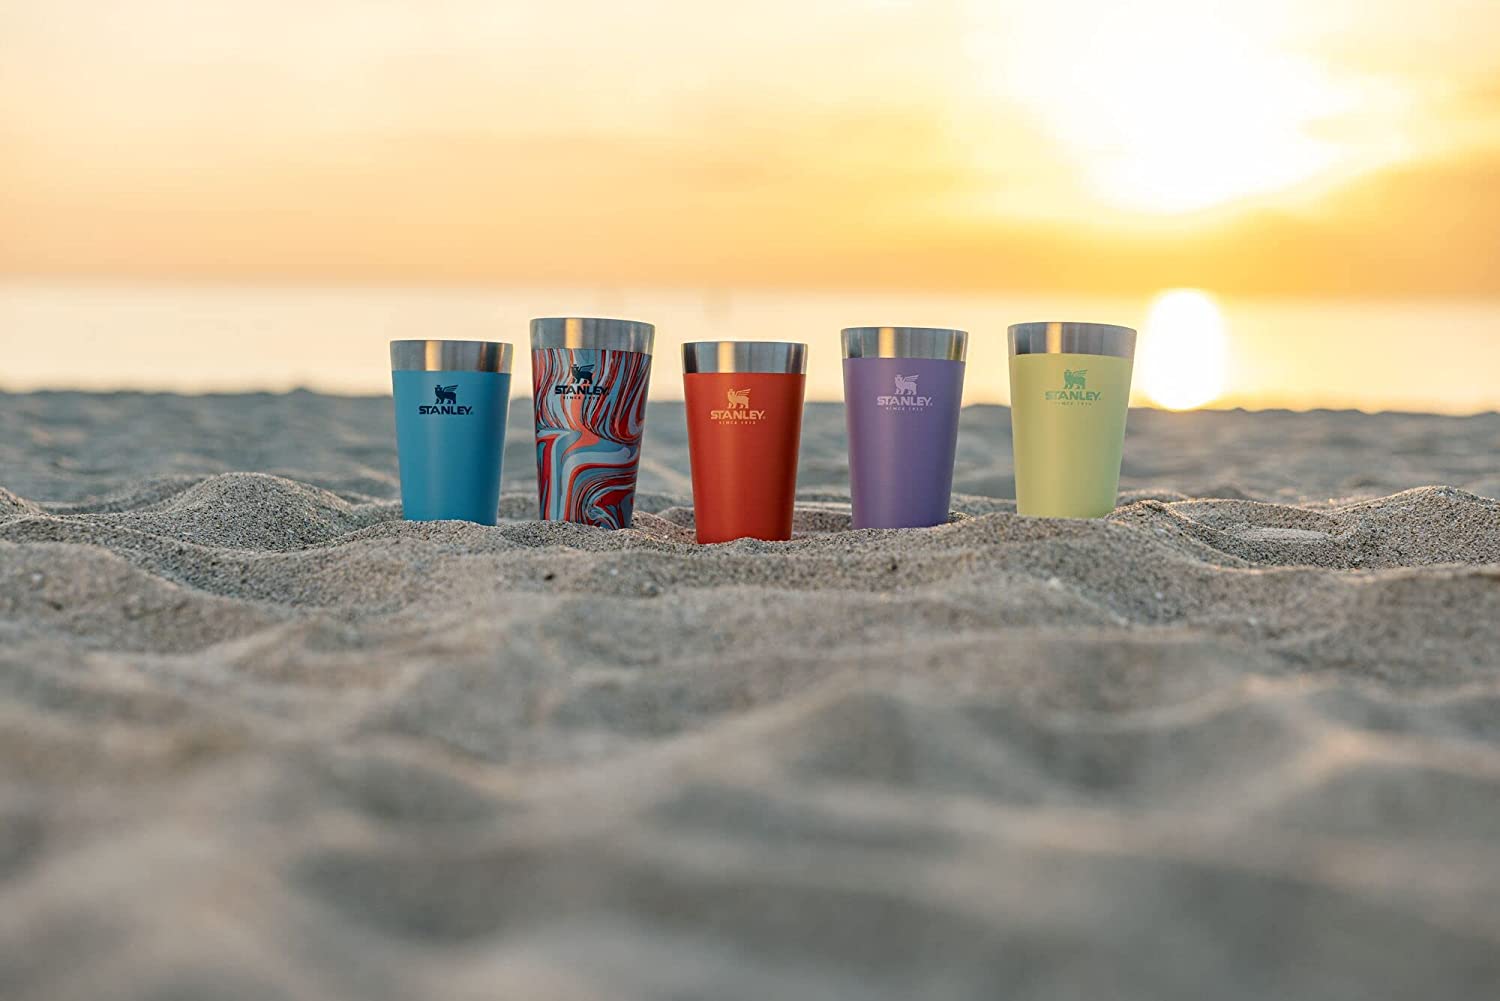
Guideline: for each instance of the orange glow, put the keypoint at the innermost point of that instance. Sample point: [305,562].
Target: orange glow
[993,145]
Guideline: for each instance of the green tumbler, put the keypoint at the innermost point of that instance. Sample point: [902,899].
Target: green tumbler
[1069,392]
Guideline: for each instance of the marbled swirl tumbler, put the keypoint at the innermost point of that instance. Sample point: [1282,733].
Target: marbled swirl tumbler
[903,387]
[590,378]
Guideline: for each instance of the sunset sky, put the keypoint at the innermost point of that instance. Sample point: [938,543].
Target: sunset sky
[1336,147]
[297,180]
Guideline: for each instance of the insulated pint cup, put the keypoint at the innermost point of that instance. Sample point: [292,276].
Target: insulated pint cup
[902,392]
[744,422]
[589,377]
[451,398]
[1069,391]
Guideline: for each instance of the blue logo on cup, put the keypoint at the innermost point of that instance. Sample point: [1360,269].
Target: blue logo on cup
[582,383]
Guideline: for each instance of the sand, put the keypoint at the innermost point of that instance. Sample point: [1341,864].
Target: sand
[260,739]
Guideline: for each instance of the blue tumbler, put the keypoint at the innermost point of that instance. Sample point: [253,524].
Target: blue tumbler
[451,398]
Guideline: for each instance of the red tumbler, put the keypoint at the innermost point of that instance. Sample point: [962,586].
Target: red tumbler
[744,421]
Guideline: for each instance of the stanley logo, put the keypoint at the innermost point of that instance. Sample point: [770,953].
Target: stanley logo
[737,409]
[581,383]
[446,398]
[905,396]
[1075,388]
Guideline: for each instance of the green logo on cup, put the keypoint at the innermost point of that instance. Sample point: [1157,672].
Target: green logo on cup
[1075,388]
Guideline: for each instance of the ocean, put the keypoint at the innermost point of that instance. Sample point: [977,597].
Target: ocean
[1432,356]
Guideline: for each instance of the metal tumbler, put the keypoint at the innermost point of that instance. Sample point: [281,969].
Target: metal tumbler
[451,398]
[590,378]
[903,388]
[1069,393]
[744,422]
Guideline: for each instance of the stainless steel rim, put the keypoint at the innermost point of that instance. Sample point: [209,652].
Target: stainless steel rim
[785,357]
[450,356]
[592,332]
[1072,339]
[905,342]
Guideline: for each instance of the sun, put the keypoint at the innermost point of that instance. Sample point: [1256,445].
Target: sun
[1183,358]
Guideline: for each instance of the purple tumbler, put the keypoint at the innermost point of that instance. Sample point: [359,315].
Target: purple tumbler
[902,391]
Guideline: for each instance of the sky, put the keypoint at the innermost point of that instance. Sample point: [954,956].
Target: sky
[1297,201]
[1317,148]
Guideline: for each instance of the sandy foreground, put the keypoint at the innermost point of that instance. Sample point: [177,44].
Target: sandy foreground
[260,739]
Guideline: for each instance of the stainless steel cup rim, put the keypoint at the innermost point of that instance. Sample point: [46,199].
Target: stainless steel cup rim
[769,357]
[597,332]
[941,343]
[450,356]
[1054,338]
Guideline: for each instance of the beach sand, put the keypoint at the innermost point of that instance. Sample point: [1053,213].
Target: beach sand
[260,739]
